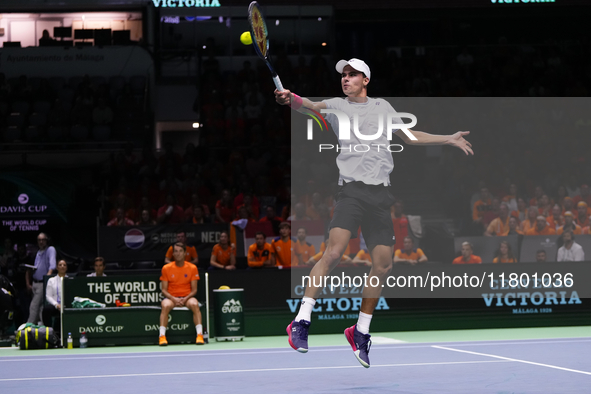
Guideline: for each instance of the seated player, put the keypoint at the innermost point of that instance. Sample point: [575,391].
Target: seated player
[408,254]
[53,298]
[362,257]
[541,228]
[283,246]
[179,286]
[303,250]
[99,267]
[504,254]
[260,253]
[467,256]
[223,254]
[191,252]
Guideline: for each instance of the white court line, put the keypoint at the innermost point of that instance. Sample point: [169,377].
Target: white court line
[223,352]
[245,370]
[513,359]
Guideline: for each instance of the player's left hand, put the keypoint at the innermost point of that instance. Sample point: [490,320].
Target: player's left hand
[458,141]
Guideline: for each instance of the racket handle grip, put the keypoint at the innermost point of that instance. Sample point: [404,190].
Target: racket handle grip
[278,83]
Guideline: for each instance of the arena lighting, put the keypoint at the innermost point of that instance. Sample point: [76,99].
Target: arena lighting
[221,19]
[196,125]
[319,19]
[276,22]
[323,44]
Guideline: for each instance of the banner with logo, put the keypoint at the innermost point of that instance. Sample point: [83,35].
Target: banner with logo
[151,243]
[25,214]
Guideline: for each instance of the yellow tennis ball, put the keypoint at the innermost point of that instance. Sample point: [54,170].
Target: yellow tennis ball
[245,38]
[224,287]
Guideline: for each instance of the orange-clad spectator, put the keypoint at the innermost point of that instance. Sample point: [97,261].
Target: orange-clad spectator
[521,212]
[120,219]
[586,230]
[283,246]
[511,198]
[483,205]
[170,212]
[584,196]
[583,214]
[244,214]
[569,224]
[345,259]
[555,220]
[399,222]
[196,201]
[303,250]
[289,209]
[530,222]
[560,195]
[362,257]
[538,192]
[314,210]
[568,205]
[260,253]
[253,210]
[145,219]
[544,206]
[223,254]
[270,215]
[541,227]
[493,213]
[224,210]
[409,254]
[467,256]
[145,205]
[198,216]
[190,251]
[504,254]
[300,212]
[499,225]
[122,202]
[513,228]
[246,189]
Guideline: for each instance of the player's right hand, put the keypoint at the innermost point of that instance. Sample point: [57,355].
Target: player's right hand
[283,98]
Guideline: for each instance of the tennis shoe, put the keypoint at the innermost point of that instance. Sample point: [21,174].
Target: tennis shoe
[200,340]
[298,335]
[162,341]
[360,344]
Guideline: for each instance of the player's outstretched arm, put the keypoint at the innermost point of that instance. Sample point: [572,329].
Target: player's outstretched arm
[296,102]
[456,139]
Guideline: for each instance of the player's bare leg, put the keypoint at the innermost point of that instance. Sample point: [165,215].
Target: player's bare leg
[358,335]
[338,239]
[167,306]
[193,305]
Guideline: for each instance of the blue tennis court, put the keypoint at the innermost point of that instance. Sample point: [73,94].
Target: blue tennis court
[556,365]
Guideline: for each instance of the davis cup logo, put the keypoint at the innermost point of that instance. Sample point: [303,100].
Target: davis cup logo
[100,320]
[23,198]
[134,238]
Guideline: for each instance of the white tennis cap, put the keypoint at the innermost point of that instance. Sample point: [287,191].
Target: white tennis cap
[357,64]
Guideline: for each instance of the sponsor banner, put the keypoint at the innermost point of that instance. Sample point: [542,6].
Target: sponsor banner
[228,313]
[151,243]
[25,212]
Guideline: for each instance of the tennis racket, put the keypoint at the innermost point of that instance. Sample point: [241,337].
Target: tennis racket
[259,33]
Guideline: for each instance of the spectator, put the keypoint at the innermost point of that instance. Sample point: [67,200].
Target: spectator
[146,205]
[253,210]
[283,246]
[44,265]
[345,258]
[260,253]
[102,114]
[224,210]
[313,211]
[499,225]
[568,205]
[179,286]
[513,228]
[198,216]
[541,256]
[400,223]
[99,268]
[493,213]
[560,195]
[504,254]
[196,201]
[300,212]
[570,251]
[584,196]
[243,214]
[145,219]
[303,250]
[511,198]
[556,220]
[530,222]
[521,212]
[53,296]
[409,255]
[270,215]
[362,257]
[467,257]
[120,219]
[170,212]
[481,206]
[191,252]
[541,227]
[245,190]
[569,225]
[223,254]
[544,206]
[583,216]
[538,192]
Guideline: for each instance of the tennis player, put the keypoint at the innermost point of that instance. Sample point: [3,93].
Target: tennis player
[363,199]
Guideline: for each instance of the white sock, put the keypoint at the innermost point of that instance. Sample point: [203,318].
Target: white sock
[162,331]
[199,328]
[306,307]
[363,323]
